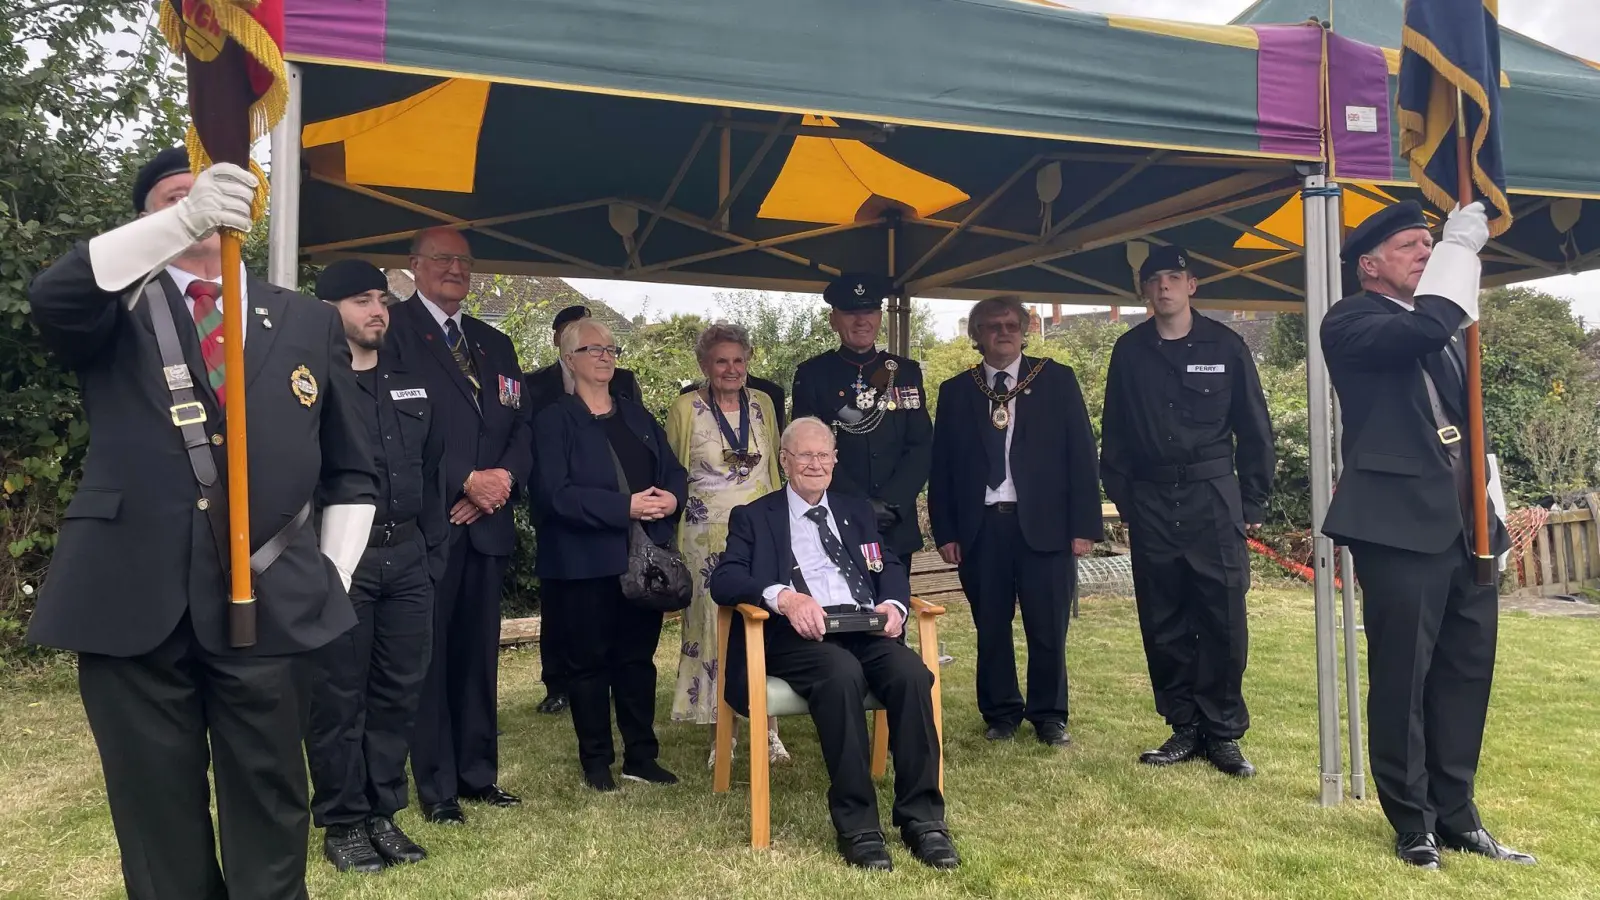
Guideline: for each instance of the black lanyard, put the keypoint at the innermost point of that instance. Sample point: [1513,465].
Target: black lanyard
[740,442]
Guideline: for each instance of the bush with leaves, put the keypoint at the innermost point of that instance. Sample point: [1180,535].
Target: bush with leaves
[76,119]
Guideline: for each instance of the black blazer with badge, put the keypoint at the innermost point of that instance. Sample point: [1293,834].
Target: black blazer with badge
[760,553]
[134,552]
[491,433]
[1053,462]
[1397,489]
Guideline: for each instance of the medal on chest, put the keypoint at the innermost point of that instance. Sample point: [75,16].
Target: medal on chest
[1000,417]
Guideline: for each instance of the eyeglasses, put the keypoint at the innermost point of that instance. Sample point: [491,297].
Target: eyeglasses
[600,351]
[814,459]
[1007,327]
[446,260]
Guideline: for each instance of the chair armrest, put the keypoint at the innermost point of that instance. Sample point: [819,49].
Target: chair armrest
[923,608]
[753,613]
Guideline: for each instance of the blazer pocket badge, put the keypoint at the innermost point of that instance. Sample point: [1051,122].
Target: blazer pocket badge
[510,392]
[873,553]
[304,385]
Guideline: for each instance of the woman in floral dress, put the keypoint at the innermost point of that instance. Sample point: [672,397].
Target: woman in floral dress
[727,438]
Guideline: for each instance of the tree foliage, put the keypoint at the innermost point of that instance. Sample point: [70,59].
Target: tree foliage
[77,116]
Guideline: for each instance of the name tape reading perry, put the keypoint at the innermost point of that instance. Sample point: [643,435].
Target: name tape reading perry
[1209,370]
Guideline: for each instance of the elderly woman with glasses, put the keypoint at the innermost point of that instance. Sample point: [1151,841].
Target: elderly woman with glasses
[604,463]
[726,436]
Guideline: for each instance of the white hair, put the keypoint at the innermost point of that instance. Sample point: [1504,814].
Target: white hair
[572,334]
[805,423]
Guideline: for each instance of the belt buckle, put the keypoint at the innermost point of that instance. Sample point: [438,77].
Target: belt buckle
[388,533]
[1449,435]
[191,413]
[1183,474]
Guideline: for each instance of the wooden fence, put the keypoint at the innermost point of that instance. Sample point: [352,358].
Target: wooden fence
[1562,553]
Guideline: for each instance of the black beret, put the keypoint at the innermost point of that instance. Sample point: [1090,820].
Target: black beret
[349,277]
[856,292]
[1170,258]
[570,314]
[169,162]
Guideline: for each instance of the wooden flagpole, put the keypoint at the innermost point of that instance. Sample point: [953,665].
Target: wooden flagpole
[241,600]
[1475,438]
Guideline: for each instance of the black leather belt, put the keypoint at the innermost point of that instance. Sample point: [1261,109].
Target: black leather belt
[1205,470]
[1004,507]
[390,534]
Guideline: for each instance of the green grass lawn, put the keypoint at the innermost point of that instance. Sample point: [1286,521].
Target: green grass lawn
[1029,821]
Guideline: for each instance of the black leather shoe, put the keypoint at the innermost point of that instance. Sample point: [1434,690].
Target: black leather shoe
[1053,734]
[552,703]
[1185,744]
[866,851]
[493,796]
[350,850]
[649,772]
[933,849]
[1229,759]
[600,780]
[392,844]
[1483,843]
[1000,732]
[447,812]
[1417,848]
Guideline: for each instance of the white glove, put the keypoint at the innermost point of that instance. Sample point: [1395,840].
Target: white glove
[1454,270]
[346,529]
[1497,500]
[219,198]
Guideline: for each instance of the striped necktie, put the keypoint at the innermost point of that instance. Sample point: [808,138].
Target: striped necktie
[859,592]
[458,348]
[208,325]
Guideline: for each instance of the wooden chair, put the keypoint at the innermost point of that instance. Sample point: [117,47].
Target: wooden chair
[773,697]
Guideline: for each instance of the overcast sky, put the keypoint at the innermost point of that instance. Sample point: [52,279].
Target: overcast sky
[1570,25]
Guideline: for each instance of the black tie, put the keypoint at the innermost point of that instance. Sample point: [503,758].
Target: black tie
[458,349]
[994,439]
[835,551]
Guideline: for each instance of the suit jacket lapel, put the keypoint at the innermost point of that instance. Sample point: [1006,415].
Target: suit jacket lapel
[433,337]
[778,522]
[981,411]
[488,382]
[849,533]
[258,337]
[1024,399]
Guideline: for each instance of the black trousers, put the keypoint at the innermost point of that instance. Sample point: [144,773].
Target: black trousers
[552,637]
[609,652]
[455,747]
[1430,660]
[160,720]
[1196,636]
[364,702]
[998,574]
[834,676]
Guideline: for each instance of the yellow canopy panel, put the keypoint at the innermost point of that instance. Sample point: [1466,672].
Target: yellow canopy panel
[437,128]
[1288,222]
[834,182]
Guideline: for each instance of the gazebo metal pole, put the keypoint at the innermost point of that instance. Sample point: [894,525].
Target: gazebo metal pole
[899,302]
[1319,413]
[283,226]
[1352,641]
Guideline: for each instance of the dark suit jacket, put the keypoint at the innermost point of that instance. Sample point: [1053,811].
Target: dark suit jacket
[760,554]
[772,389]
[543,387]
[1053,462]
[1397,489]
[134,552]
[584,521]
[487,434]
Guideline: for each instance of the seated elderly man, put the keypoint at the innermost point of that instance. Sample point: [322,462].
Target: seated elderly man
[805,553]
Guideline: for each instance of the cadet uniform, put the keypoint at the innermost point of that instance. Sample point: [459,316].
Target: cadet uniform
[138,584]
[876,405]
[1174,410]
[364,706]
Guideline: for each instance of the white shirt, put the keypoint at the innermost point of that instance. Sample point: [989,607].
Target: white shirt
[823,579]
[439,315]
[1007,491]
[183,279]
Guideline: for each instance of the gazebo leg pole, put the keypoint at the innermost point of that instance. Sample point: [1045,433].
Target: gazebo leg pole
[899,320]
[1352,642]
[283,230]
[1319,410]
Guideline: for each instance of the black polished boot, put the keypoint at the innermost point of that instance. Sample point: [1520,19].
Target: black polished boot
[1185,744]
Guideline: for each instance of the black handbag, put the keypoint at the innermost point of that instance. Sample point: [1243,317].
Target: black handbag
[657,578]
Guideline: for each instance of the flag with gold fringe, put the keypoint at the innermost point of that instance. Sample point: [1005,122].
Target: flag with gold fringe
[237,86]
[1451,45]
